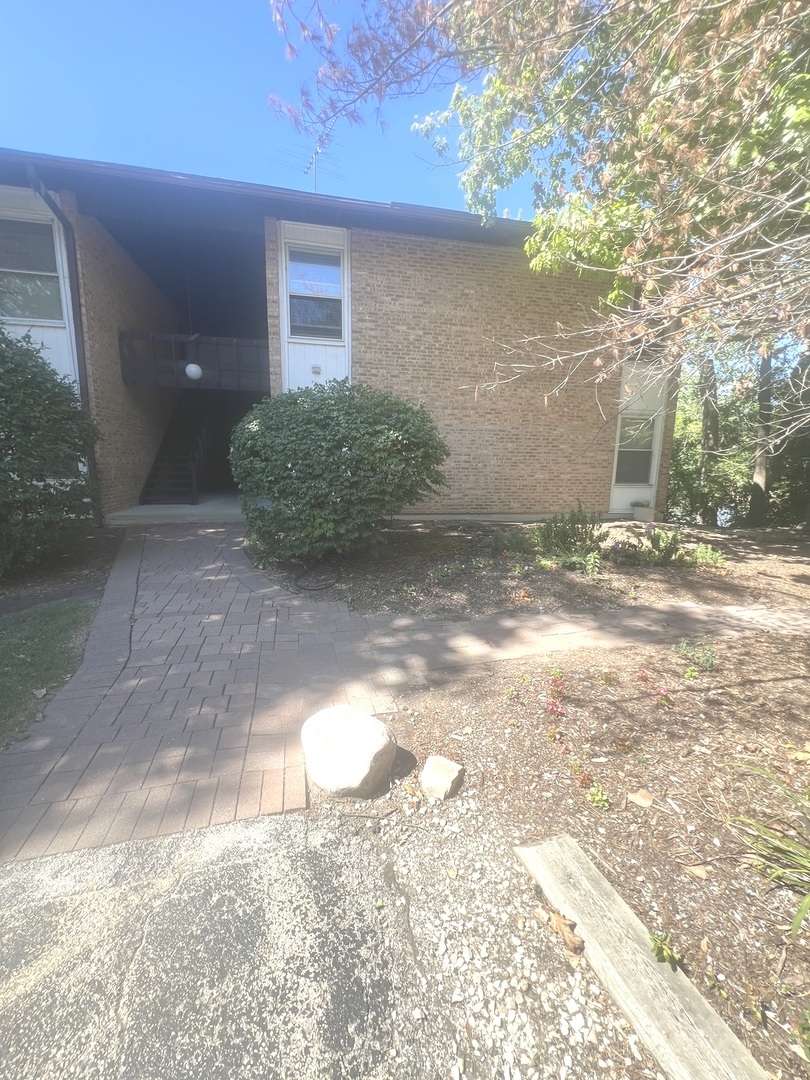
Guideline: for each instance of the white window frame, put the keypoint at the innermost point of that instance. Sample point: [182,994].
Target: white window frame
[314,239]
[43,217]
[654,450]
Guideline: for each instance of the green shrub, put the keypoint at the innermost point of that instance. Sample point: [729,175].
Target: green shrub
[575,533]
[321,468]
[45,437]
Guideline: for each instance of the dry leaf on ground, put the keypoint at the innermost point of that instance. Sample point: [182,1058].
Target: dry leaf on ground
[642,797]
[565,928]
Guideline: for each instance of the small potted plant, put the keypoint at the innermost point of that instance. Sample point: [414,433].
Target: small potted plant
[642,511]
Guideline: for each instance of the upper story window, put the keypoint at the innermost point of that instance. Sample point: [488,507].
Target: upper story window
[635,454]
[29,277]
[316,293]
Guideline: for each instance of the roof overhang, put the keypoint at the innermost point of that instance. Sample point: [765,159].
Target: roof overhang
[128,193]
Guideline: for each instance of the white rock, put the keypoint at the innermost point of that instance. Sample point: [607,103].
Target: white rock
[441,777]
[347,752]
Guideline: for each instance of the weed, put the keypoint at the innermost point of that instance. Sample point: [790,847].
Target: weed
[568,534]
[607,678]
[514,542]
[664,698]
[715,985]
[706,555]
[664,951]
[782,844]
[585,780]
[576,766]
[597,797]
[555,673]
[556,686]
[553,733]
[803,1031]
[444,572]
[542,562]
[700,654]
[691,673]
[555,708]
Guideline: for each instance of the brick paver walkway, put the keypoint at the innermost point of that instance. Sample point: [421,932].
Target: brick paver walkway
[199,672]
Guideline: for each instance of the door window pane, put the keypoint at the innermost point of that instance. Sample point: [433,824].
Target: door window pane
[315,273]
[26,245]
[312,316]
[316,294]
[29,296]
[634,459]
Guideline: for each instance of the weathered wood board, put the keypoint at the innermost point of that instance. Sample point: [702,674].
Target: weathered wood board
[672,1019]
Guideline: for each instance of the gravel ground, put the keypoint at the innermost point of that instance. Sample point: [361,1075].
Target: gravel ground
[516,1004]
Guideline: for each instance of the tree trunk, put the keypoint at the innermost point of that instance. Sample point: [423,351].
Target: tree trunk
[759,503]
[710,428]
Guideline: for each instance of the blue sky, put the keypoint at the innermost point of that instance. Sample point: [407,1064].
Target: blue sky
[183,85]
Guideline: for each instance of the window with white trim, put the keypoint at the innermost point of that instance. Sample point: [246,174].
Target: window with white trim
[315,288]
[29,277]
[635,453]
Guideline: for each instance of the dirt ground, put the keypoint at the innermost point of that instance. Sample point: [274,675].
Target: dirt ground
[78,572]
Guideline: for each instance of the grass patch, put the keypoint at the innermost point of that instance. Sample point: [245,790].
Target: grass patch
[39,648]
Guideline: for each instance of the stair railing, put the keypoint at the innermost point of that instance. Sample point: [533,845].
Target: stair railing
[198,459]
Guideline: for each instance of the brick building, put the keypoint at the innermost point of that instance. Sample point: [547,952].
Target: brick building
[177,301]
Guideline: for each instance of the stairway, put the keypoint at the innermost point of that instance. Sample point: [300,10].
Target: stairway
[179,467]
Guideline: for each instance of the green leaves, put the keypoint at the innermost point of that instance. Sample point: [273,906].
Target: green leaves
[321,468]
[45,437]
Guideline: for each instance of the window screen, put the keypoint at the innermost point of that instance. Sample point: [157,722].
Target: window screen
[634,459]
[29,279]
[316,294]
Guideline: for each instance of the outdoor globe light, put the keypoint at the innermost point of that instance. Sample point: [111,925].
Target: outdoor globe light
[194,371]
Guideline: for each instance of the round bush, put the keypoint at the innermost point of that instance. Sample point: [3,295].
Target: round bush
[45,437]
[321,468]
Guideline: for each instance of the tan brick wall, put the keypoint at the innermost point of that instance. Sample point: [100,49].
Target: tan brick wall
[429,318]
[273,307]
[116,295]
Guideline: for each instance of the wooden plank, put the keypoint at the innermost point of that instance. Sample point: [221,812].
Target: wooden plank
[672,1019]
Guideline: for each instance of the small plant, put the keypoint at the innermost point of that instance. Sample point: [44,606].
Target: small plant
[516,541]
[706,555]
[691,673]
[607,678]
[437,575]
[664,951]
[639,502]
[781,845]
[585,780]
[664,698]
[700,654]
[803,1032]
[555,708]
[597,797]
[555,673]
[666,543]
[575,533]
[576,766]
[592,563]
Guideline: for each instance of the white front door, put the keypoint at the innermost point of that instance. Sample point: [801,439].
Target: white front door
[34,292]
[314,304]
[639,431]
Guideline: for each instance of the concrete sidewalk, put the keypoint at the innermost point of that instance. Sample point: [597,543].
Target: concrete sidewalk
[199,672]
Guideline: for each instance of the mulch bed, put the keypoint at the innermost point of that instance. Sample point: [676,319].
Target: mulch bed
[456,571]
[536,736]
